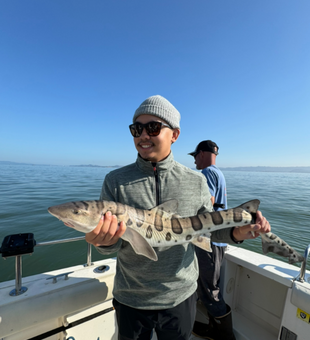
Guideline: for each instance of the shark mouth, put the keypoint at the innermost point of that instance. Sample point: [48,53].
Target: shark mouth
[68,224]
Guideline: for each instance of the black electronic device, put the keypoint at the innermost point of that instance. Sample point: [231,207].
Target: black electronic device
[17,244]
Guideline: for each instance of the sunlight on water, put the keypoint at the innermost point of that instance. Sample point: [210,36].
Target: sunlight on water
[27,191]
[285,202]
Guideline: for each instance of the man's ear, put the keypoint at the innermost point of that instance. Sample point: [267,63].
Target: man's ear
[175,135]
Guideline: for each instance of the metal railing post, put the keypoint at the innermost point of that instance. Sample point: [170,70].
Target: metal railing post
[304,265]
[89,263]
[18,278]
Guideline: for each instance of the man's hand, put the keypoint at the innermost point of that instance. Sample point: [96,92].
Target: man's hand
[251,231]
[107,232]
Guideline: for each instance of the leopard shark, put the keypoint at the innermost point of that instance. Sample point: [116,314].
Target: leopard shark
[274,244]
[161,226]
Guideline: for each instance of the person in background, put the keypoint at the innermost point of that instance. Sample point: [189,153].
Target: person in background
[210,263]
[158,295]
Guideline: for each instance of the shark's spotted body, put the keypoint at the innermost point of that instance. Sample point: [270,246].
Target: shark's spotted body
[274,244]
[157,227]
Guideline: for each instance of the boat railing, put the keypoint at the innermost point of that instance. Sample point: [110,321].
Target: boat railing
[73,239]
[304,265]
[23,244]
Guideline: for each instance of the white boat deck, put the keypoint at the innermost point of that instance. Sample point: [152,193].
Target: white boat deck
[263,294]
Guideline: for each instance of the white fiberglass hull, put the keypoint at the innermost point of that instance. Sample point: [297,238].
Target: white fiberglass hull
[266,301]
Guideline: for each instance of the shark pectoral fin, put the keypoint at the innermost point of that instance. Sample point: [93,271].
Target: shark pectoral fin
[202,242]
[139,244]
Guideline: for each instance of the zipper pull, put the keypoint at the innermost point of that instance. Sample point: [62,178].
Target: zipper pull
[154,168]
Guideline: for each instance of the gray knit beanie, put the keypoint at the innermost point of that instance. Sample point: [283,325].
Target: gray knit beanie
[160,107]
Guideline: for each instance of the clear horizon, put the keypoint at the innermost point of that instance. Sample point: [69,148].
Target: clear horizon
[74,72]
[120,165]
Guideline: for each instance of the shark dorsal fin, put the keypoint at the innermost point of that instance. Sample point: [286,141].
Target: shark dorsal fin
[250,206]
[170,207]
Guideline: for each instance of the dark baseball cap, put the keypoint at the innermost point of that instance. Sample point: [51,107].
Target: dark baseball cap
[206,145]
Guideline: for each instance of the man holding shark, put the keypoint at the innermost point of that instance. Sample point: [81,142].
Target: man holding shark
[158,295]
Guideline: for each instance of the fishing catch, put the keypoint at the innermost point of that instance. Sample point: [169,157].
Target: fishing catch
[161,226]
[274,244]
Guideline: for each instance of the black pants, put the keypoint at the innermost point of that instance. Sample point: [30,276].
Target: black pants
[209,280]
[169,324]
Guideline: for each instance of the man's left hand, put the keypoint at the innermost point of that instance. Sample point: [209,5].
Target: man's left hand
[251,231]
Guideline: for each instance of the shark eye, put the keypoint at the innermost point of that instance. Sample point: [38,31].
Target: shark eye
[76,212]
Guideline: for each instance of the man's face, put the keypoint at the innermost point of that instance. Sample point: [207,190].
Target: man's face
[204,159]
[199,160]
[156,148]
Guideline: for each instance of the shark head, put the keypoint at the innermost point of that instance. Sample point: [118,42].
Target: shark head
[82,216]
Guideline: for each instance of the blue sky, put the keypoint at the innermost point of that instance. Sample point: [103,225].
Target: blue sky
[72,73]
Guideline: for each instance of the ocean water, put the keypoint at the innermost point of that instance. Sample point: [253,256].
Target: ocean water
[26,191]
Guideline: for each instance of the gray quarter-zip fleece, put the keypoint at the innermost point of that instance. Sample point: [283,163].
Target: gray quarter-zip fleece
[140,282]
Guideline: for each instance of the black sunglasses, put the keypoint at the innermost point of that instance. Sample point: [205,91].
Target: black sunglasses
[151,128]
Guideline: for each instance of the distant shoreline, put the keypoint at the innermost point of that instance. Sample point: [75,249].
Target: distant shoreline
[292,169]
[79,166]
